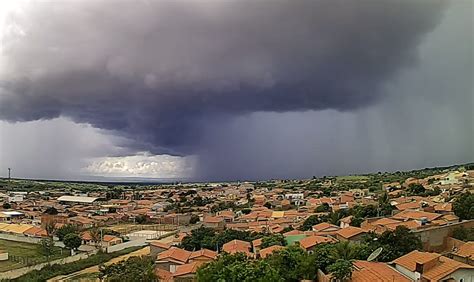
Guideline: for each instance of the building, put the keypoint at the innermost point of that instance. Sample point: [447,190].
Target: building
[77,200]
[431,267]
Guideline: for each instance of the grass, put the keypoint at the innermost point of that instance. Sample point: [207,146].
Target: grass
[86,277]
[352,178]
[22,254]
[64,269]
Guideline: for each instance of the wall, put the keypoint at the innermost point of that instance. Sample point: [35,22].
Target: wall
[435,239]
[12,274]
[24,239]
[133,243]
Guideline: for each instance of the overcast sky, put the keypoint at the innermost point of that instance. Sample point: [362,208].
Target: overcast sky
[214,90]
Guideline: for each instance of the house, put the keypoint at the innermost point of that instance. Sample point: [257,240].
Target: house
[424,266]
[170,259]
[77,200]
[157,247]
[215,222]
[186,272]
[308,243]
[263,253]
[325,228]
[351,233]
[464,253]
[376,271]
[203,255]
[237,246]
[110,240]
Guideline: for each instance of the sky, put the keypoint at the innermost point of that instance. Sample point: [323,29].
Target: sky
[234,90]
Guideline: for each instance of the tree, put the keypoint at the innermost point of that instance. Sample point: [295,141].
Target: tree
[341,270]
[64,230]
[464,206]
[141,219]
[46,247]
[309,222]
[394,243]
[6,206]
[236,268]
[194,219]
[323,208]
[50,227]
[132,269]
[72,241]
[416,189]
[95,235]
[293,263]
[274,239]
[463,234]
[51,211]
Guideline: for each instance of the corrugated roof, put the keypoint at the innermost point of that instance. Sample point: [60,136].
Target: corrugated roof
[77,199]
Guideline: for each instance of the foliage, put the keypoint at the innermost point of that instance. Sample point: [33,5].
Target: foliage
[64,230]
[274,239]
[237,268]
[72,241]
[51,211]
[323,208]
[133,269]
[208,238]
[394,243]
[293,263]
[464,206]
[309,222]
[53,270]
[142,219]
[6,205]
[46,247]
[463,234]
[194,219]
[341,270]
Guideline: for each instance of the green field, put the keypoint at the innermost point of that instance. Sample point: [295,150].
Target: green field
[352,178]
[23,254]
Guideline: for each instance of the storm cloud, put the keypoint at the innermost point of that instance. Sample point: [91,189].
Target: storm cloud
[158,72]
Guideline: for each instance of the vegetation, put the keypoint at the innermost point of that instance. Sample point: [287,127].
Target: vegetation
[464,206]
[54,270]
[72,241]
[394,243]
[463,234]
[46,247]
[341,270]
[208,238]
[23,254]
[65,230]
[132,269]
[274,239]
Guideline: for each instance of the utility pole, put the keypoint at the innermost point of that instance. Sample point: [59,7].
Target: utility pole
[9,174]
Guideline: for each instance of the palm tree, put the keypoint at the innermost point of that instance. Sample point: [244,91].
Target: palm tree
[95,235]
[344,251]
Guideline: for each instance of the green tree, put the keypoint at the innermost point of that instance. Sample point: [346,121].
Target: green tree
[64,230]
[309,222]
[464,206]
[292,263]
[133,269]
[463,234]
[236,268]
[194,219]
[341,270]
[72,241]
[46,247]
[6,206]
[394,243]
[323,208]
[274,239]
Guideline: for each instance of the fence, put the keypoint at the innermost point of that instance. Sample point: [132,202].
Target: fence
[133,243]
[24,239]
[12,274]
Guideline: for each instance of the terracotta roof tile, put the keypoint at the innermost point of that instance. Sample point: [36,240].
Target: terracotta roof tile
[350,232]
[312,241]
[375,271]
[268,251]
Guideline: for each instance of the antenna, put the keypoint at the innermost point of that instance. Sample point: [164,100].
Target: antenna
[9,174]
[375,254]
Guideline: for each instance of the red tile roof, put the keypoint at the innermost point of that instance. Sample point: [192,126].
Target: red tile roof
[365,271]
[268,251]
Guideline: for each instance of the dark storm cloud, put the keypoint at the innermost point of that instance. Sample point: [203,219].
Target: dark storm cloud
[158,71]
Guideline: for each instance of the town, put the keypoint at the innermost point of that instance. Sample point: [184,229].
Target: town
[400,226]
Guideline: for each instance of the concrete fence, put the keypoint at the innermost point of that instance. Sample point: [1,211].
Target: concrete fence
[25,239]
[15,273]
[133,243]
